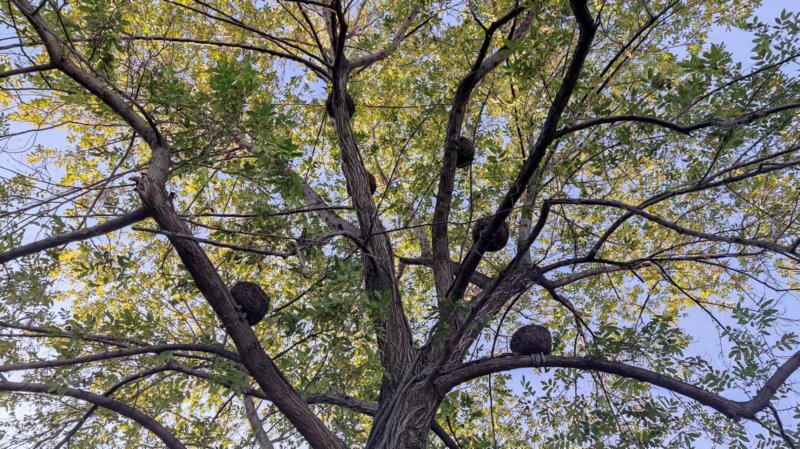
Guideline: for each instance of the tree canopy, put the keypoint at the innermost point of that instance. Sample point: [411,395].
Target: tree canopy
[157,152]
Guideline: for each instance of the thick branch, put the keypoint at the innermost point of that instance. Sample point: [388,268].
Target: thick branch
[145,421]
[371,409]
[121,353]
[24,70]
[74,236]
[276,387]
[539,148]
[442,268]
[730,408]
[393,332]
[159,161]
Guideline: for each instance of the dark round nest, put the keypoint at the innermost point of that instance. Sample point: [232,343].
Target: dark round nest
[373,184]
[252,299]
[494,242]
[351,104]
[465,152]
[532,339]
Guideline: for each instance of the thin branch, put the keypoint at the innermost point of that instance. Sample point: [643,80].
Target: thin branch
[789,441]
[247,249]
[321,71]
[256,424]
[772,246]
[400,35]
[683,129]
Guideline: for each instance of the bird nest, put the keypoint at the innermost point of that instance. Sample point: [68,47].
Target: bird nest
[252,299]
[465,152]
[351,104]
[493,242]
[532,339]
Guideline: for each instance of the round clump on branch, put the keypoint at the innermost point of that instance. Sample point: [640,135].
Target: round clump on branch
[465,152]
[532,339]
[373,184]
[494,242]
[351,104]
[252,299]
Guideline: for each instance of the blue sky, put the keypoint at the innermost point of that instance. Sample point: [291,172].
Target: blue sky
[737,41]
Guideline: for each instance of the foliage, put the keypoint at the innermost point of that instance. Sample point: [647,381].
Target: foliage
[701,290]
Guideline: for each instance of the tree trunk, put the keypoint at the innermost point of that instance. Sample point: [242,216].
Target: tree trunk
[405,421]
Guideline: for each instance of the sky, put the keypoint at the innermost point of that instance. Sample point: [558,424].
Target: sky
[707,343]
[705,335]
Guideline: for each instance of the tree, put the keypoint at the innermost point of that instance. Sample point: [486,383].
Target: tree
[156,152]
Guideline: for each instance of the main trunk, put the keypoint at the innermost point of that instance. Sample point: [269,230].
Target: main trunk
[405,421]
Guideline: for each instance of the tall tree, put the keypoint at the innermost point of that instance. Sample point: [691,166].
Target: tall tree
[158,152]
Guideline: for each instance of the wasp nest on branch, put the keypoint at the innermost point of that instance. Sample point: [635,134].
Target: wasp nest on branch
[373,184]
[494,242]
[532,339]
[351,104]
[465,152]
[252,301]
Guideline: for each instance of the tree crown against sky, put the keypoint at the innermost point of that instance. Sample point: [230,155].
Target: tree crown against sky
[157,152]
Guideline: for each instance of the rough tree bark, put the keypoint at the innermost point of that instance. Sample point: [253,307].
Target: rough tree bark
[415,380]
[392,330]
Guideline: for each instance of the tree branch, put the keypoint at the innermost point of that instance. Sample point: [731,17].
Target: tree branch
[785,250]
[323,211]
[263,252]
[371,409]
[276,387]
[538,151]
[321,71]
[256,424]
[74,236]
[108,393]
[393,332]
[400,35]
[24,70]
[478,278]
[611,266]
[729,408]
[129,412]
[442,268]
[762,167]
[122,353]
[159,161]
[683,129]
